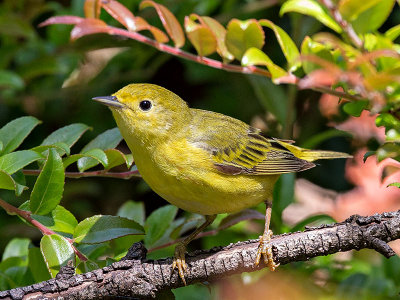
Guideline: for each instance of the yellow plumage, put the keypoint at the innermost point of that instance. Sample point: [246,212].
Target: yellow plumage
[202,161]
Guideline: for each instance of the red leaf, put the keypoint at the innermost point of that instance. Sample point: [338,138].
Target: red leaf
[219,32]
[141,24]
[89,26]
[62,20]
[92,9]
[169,22]
[120,13]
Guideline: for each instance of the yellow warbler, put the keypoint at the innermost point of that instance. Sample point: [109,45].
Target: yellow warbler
[201,161]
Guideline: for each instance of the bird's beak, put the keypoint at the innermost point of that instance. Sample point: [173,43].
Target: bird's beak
[109,101]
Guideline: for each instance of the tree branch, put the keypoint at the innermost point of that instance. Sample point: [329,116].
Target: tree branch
[142,278]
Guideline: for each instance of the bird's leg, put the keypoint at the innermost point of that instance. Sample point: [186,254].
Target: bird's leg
[264,248]
[180,249]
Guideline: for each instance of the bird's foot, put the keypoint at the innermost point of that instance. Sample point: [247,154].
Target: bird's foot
[265,251]
[179,261]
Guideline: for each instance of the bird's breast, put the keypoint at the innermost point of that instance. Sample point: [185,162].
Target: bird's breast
[185,176]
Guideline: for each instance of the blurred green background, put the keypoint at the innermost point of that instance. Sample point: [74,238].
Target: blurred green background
[36,62]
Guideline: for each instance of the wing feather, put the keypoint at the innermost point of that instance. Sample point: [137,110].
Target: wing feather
[237,148]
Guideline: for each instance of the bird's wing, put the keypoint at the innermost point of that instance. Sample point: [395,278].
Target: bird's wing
[237,148]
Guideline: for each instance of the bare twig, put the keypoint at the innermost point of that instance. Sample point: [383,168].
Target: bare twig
[26,215]
[140,278]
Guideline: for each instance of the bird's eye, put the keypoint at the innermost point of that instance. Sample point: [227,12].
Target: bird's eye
[145,105]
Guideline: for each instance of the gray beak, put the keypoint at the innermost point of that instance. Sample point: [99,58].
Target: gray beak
[109,101]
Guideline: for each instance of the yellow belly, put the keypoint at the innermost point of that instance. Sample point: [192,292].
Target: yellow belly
[186,177]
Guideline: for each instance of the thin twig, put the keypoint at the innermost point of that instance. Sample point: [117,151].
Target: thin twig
[26,215]
[343,95]
[189,56]
[346,26]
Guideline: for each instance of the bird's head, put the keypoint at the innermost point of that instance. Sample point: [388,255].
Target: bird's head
[147,111]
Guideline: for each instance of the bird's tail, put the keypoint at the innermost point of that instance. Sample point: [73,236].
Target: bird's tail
[311,155]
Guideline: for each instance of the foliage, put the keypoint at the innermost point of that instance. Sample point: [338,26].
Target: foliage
[357,61]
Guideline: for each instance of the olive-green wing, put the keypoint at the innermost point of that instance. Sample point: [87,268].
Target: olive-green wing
[237,148]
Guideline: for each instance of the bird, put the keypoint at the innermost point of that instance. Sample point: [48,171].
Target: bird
[204,162]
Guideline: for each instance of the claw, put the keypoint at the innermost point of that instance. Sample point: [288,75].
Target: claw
[179,261]
[265,250]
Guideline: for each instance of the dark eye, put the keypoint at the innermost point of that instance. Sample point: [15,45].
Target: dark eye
[145,105]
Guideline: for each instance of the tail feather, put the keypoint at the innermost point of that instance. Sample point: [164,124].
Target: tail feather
[312,155]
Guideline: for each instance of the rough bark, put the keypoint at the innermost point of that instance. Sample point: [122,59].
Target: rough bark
[140,278]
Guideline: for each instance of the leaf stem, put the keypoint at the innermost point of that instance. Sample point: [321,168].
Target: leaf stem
[26,215]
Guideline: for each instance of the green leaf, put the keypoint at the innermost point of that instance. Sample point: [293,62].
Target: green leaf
[11,80]
[372,18]
[201,37]
[351,9]
[393,135]
[15,269]
[115,158]
[318,138]
[254,56]
[92,158]
[393,32]
[14,161]
[98,229]
[311,8]
[133,211]
[7,182]
[388,121]
[87,266]
[61,148]
[6,282]
[220,34]
[355,108]
[157,224]
[242,35]
[37,265]
[287,45]
[20,183]
[56,251]
[13,133]
[107,140]
[68,134]
[310,47]
[283,195]
[49,186]
[59,219]
[396,184]
[271,96]
[17,247]
[388,150]
[95,154]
